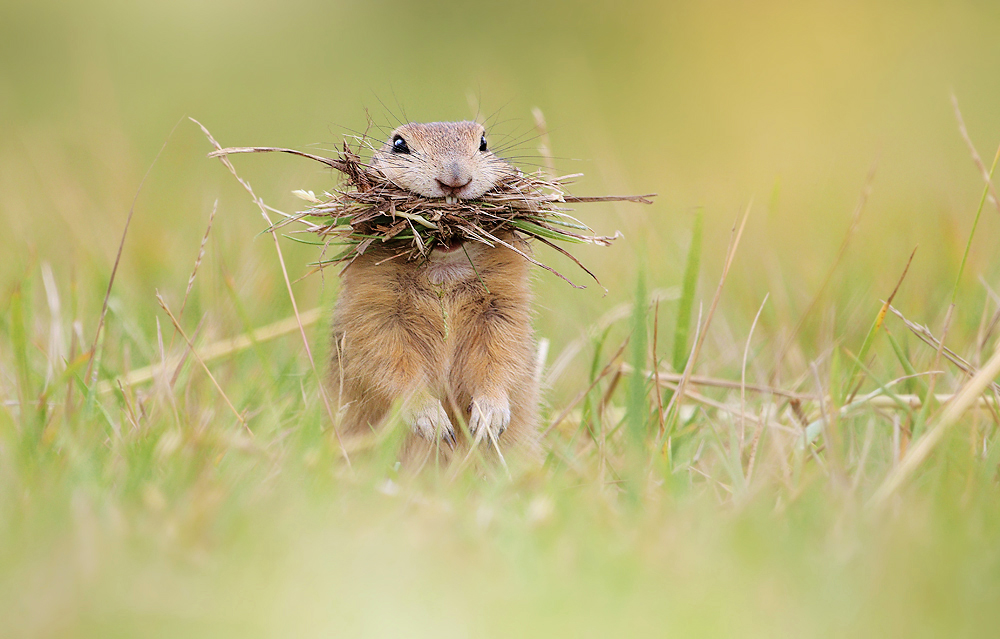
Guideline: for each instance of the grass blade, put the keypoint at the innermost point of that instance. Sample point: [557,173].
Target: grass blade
[686,305]
[870,337]
[637,408]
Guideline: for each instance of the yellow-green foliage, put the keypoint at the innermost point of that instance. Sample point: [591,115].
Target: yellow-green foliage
[143,505]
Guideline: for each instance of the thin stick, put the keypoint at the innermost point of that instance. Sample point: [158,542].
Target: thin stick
[474,269]
[183,358]
[755,443]
[954,293]
[503,462]
[831,438]
[190,286]
[875,399]
[879,398]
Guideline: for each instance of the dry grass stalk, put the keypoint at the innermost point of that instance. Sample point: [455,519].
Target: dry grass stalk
[370,208]
[968,396]
[743,397]
[216,350]
[656,370]
[608,368]
[975,154]
[204,366]
[91,376]
[616,314]
[223,157]
[879,320]
[927,337]
[841,252]
[197,261]
[734,243]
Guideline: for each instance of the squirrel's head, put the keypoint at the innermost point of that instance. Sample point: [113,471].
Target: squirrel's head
[441,159]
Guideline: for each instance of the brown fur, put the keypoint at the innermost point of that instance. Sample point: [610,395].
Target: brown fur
[454,328]
[401,336]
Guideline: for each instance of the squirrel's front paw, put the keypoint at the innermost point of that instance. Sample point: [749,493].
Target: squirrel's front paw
[430,421]
[489,418]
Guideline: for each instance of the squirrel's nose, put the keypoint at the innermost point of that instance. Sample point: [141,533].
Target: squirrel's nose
[454,177]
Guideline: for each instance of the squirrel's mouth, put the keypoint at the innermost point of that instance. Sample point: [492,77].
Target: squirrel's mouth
[453,244]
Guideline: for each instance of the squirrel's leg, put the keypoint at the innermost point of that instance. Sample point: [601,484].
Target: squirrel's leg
[385,363]
[494,351]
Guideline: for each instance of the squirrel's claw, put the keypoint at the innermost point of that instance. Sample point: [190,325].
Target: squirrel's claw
[431,422]
[488,418]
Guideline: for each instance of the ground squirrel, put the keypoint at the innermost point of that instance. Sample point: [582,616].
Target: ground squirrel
[448,336]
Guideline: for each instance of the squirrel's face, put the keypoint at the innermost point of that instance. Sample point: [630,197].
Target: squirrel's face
[441,159]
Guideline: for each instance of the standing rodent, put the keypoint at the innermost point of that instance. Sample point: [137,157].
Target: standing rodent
[449,336]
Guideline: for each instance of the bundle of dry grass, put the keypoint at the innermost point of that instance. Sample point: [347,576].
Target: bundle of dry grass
[369,208]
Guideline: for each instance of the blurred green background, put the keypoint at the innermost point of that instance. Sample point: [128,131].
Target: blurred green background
[180,524]
[708,104]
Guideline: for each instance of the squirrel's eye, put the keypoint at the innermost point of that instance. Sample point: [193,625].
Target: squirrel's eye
[482,143]
[399,145]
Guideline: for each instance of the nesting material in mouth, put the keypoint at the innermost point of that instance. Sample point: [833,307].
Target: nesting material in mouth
[370,210]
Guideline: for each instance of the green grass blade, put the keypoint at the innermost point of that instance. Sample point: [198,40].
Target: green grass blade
[905,363]
[541,231]
[866,345]
[637,407]
[19,344]
[686,305]
[312,243]
[975,223]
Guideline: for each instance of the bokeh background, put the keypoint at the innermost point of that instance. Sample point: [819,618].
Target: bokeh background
[779,105]
[711,105]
